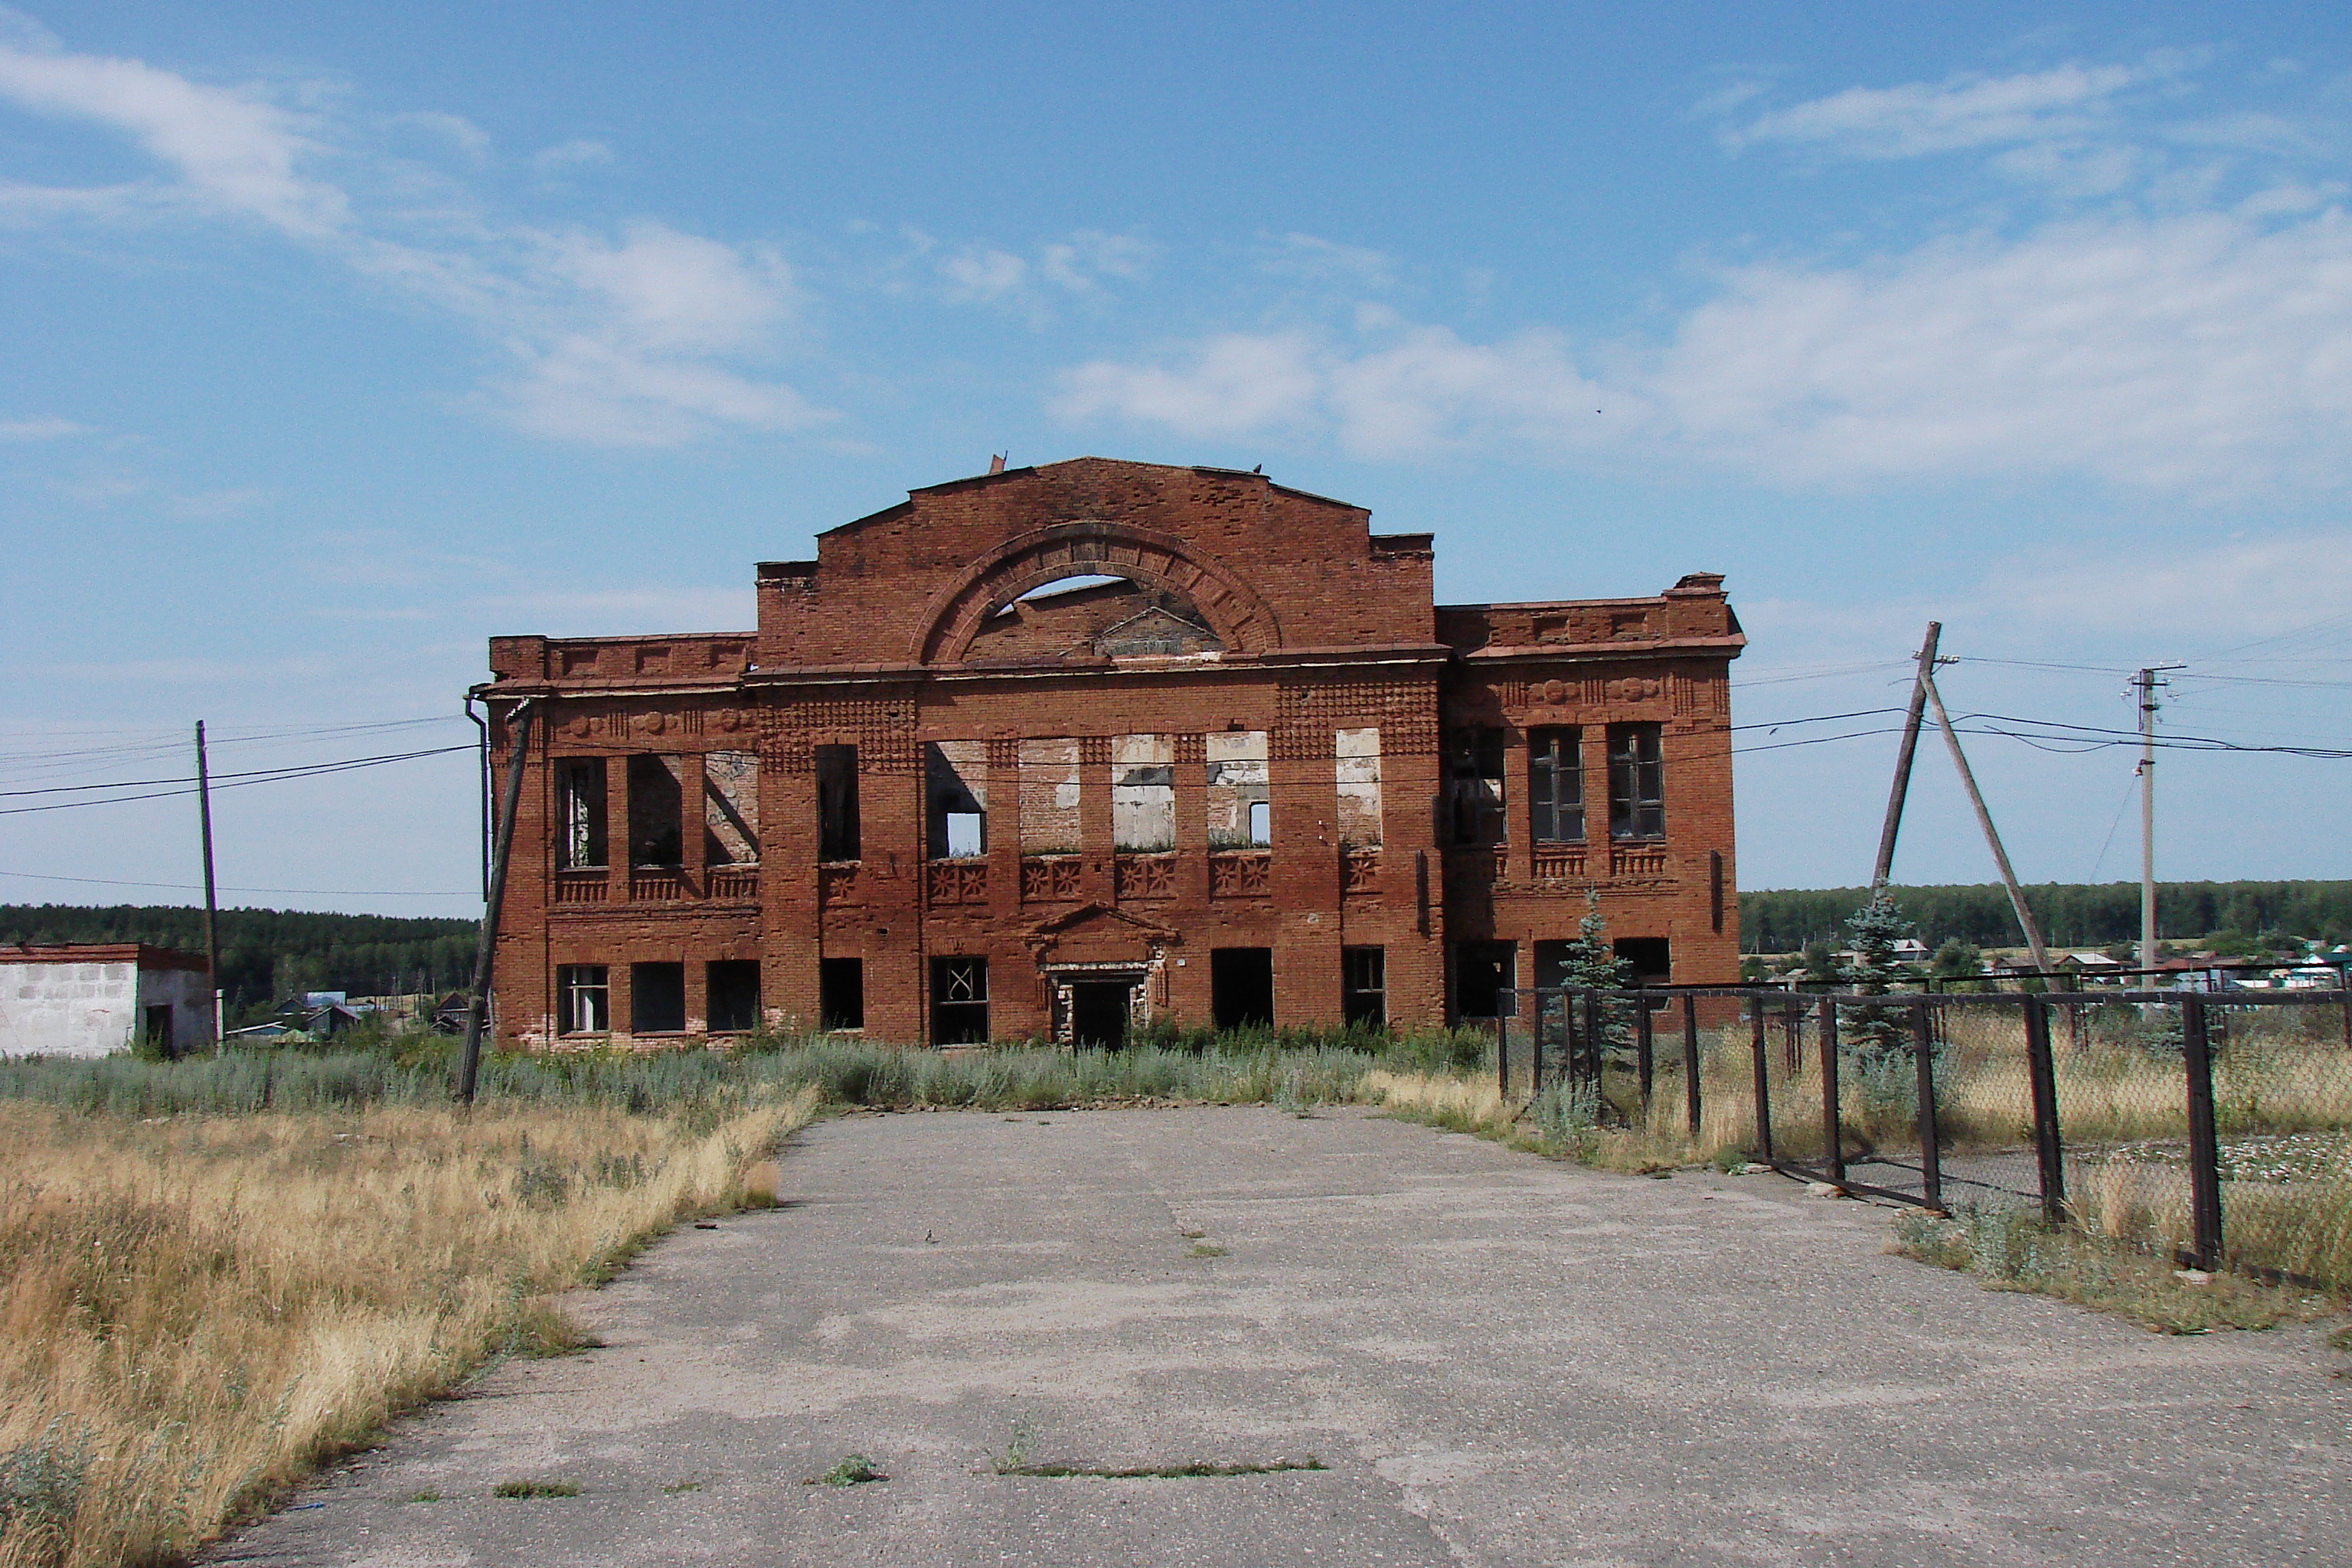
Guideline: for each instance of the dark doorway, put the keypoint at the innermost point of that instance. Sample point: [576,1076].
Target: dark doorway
[1241,988]
[657,999]
[1364,985]
[734,994]
[1098,1013]
[1482,972]
[1648,958]
[841,993]
[159,1031]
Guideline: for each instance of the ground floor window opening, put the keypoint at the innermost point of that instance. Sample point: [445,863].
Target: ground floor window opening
[841,994]
[657,999]
[734,995]
[1648,960]
[1241,988]
[1483,971]
[1364,986]
[582,1000]
[959,1001]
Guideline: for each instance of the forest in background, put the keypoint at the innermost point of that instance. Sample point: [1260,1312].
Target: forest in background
[267,955]
[2093,915]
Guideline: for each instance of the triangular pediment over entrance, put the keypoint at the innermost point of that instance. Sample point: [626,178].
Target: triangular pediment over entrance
[1098,934]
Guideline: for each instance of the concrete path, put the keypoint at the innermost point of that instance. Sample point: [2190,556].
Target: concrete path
[1501,1360]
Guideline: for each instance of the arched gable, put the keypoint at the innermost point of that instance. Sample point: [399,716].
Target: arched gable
[1242,620]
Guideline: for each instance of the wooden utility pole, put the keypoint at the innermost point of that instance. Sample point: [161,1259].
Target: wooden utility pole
[2146,682]
[211,902]
[1902,786]
[469,1060]
[1984,820]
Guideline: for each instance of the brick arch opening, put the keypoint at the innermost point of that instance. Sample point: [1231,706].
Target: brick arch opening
[1150,560]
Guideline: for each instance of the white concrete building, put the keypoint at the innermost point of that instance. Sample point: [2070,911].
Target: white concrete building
[90,999]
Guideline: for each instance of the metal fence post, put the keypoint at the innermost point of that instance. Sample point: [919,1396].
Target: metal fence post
[1690,1061]
[1536,1047]
[1931,1151]
[2204,1151]
[1645,1048]
[2042,1075]
[1503,1057]
[1831,1131]
[1594,1043]
[1761,1050]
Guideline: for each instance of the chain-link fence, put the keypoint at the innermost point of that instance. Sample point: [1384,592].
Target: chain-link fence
[2213,1127]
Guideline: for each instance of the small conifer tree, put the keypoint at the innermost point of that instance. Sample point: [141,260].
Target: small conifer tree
[1874,930]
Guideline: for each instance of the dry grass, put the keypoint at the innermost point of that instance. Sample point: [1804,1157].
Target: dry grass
[197,1310]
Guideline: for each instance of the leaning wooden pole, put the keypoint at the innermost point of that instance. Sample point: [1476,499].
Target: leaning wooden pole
[1992,835]
[469,1060]
[1902,786]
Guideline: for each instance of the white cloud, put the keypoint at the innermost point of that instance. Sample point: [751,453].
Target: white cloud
[2196,352]
[1327,260]
[1964,111]
[1076,266]
[578,153]
[1235,383]
[982,272]
[232,150]
[620,340]
[39,429]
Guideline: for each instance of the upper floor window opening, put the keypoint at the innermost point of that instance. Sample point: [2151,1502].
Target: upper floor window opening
[1241,812]
[1637,790]
[1474,785]
[1556,785]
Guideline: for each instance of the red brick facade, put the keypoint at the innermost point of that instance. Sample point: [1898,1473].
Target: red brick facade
[1255,769]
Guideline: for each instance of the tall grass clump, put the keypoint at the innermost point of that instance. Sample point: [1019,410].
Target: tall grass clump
[195,1310]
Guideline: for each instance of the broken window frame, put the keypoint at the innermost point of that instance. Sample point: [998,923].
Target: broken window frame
[955,797]
[958,999]
[581,822]
[656,811]
[1473,787]
[1050,771]
[1364,986]
[1637,782]
[1143,794]
[731,807]
[837,835]
[1556,783]
[583,999]
[1356,776]
[1237,777]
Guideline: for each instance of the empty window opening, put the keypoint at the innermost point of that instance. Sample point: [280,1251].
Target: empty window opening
[731,808]
[1241,988]
[1357,767]
[656,811]
[955,786]
[582,1000]
[1648,959]
[1473,784]
[841,993]
[959,1001]
[579,813]
[836,803]
[1143,792]
[1552,960]
[657,999]
[1098,1013]
[1483,971]
[1556,785]
[733,994]
[1241,813]
[1364,986]
[1637,793]
[1049,797]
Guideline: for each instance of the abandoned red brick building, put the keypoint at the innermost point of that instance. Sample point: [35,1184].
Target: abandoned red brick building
[1061,751]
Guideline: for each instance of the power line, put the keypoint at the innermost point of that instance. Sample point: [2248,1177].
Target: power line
[198,887]
[271,776]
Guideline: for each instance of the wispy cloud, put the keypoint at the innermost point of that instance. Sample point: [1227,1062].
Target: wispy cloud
[1963,111]
[639,338]
[39,429]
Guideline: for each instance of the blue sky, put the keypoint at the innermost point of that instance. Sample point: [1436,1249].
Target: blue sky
[341,337]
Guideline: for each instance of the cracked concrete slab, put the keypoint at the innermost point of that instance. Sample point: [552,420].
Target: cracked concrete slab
[1501,1360]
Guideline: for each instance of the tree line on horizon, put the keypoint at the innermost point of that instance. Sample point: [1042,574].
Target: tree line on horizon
[269,955]
[2078,915]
